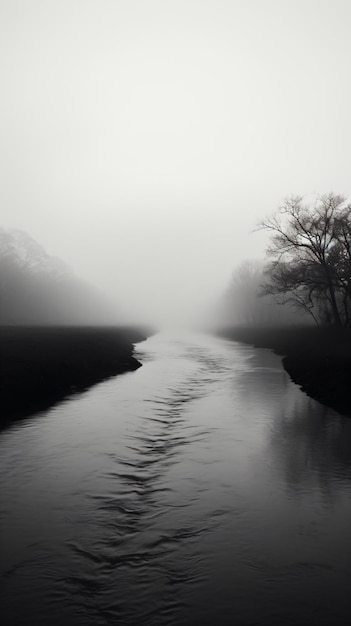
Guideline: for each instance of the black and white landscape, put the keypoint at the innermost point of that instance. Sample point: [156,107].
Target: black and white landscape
[175,312]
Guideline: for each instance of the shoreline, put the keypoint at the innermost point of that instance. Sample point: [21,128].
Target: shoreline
[40,366]
[316,359]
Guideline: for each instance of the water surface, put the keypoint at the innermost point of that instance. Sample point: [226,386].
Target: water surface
[204,488]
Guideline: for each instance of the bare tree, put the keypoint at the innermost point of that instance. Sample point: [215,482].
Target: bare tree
[310,254]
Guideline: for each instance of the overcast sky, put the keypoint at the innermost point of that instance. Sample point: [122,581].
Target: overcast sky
[141,140]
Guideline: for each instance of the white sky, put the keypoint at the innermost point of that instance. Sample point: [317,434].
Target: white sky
[141,140]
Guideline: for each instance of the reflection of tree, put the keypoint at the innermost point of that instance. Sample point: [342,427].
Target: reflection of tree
[312,444]
[261,384]
[308,443]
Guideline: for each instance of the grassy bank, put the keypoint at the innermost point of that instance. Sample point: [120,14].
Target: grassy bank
[317,359]
[41,365]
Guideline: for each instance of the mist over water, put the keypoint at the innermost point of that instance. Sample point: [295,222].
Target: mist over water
[203,488]
[142,141]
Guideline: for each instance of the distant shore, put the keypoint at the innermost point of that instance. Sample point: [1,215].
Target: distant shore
[39,366]
[317,359]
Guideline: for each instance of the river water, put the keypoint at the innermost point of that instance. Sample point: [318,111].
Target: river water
[203,488]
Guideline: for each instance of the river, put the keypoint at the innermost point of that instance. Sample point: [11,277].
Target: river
[203,488]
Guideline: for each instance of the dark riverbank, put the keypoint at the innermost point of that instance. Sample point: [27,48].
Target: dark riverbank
[317,359]
[41,365]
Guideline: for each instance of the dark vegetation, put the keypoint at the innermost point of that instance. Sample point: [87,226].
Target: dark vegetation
[307,276]
[41,365]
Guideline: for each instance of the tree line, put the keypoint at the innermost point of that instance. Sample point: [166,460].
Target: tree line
[36,288]
[307,270]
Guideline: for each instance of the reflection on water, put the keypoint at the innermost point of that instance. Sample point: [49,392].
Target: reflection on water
[204,488]
[307,441]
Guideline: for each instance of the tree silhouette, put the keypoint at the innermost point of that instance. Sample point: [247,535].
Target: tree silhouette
[310,254]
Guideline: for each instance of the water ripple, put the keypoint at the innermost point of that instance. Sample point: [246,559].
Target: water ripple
[177,494]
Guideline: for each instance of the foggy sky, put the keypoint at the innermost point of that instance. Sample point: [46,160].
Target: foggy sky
[141,140]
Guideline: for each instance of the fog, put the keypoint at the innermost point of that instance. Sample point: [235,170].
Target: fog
[143,140]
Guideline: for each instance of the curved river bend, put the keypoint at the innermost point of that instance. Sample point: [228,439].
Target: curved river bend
[204,488]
